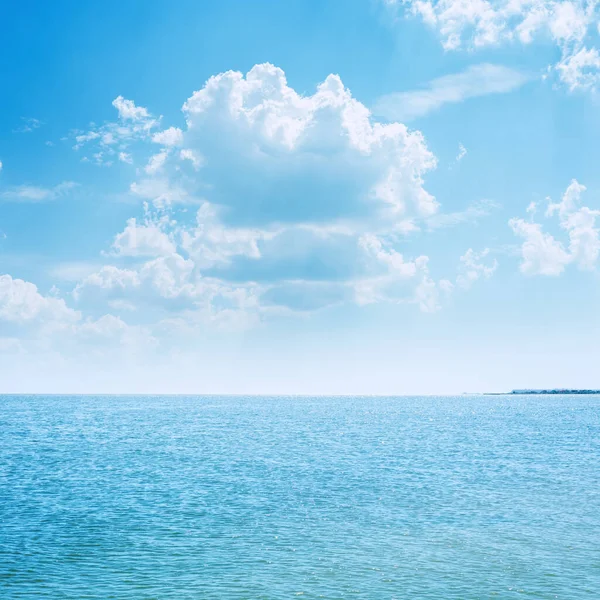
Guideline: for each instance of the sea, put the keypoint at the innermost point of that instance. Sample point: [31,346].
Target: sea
[201,497]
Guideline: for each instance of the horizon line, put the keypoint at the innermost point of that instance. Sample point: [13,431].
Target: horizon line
[528,392]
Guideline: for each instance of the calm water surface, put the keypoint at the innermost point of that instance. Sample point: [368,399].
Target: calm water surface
[248,497]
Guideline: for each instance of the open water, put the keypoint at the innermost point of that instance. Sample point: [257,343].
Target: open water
[282,497]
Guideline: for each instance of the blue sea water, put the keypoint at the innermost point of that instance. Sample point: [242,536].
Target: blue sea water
[283,497]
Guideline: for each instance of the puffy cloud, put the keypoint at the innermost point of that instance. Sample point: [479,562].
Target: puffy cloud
[300,202]
[164,277]
[580,70]
[272,155]
[304,202]
[584,242]
[483,23]
[108,278]
[489,22]
[173,136]
[542,254]
[129,111]
[569,201]
[210,243]
[170,285]
[22,303]
[170,276]
[43,327]
[580,224]
[142,240]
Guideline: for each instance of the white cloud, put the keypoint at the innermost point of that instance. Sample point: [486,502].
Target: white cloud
[473,268]
[156,162]
[304,202]
[396,279]
[44,327]
[392,260]
[142,240]
[21,302]
[1,165]
[570,24]
[541,253]
[192,156]
[210,243]
[581,69]
[427,295]
[462,152]
[128,110]
[170,276]
[173,136]
[333,161]
[111,140]
[32,193]
[478,80]
[489,22]
[173,286]
[109,278]
[580,224]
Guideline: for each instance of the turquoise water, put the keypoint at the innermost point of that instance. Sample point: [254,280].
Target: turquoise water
[379,498]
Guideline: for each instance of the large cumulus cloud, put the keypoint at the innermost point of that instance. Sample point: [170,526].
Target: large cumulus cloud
[269,200]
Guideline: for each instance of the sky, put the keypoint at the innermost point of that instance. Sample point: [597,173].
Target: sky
[301,197]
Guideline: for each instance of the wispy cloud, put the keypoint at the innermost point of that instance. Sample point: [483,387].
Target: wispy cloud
[33,193]
[477,80]
[471,214]
[73,271]
[29,124]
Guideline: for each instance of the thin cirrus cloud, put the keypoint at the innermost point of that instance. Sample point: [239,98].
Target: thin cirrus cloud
[28,124]
[476,80]
[34,193]
[471,214]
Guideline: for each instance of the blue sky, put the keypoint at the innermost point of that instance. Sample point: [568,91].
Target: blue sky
[368,197]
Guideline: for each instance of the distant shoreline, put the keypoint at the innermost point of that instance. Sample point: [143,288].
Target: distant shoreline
[540,392]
